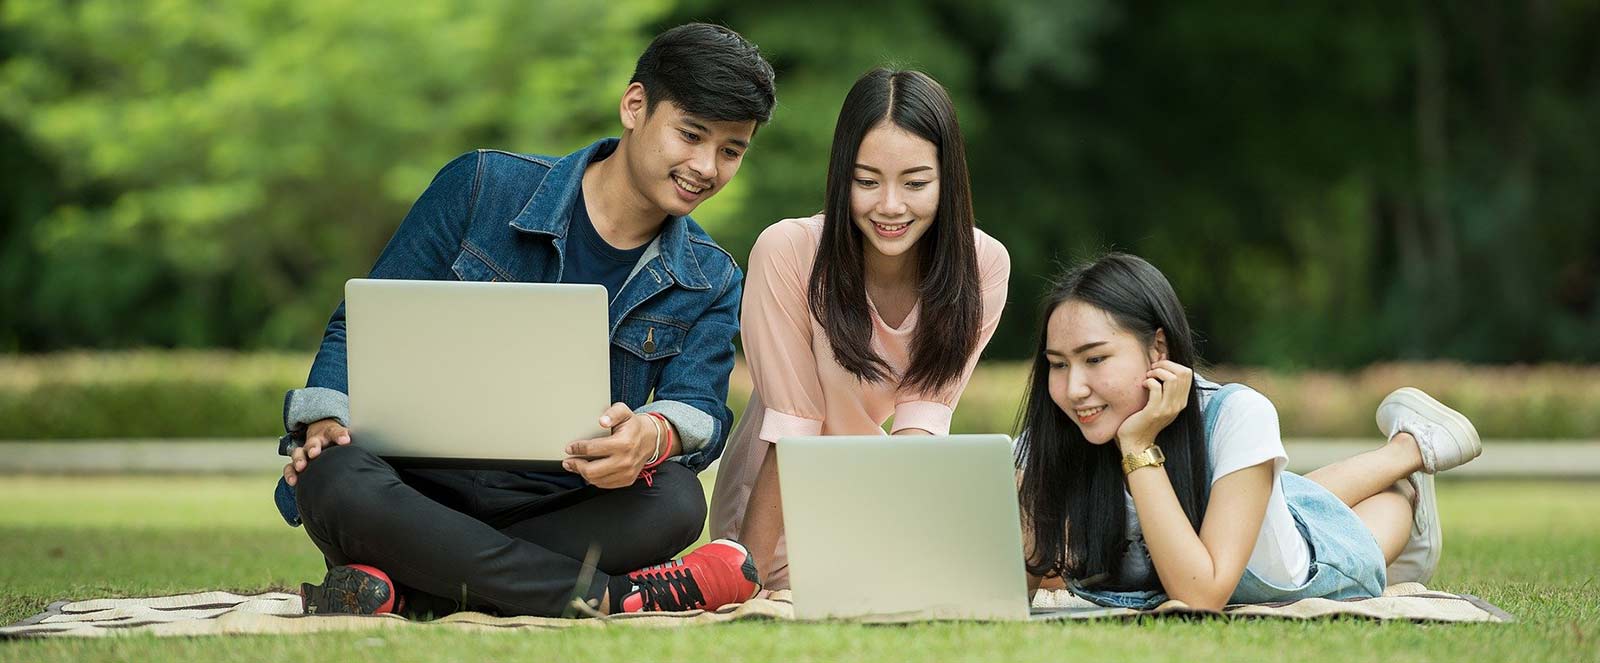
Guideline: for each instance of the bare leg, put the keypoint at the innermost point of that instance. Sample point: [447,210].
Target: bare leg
[1388,516]
[763,517]
[1362,476]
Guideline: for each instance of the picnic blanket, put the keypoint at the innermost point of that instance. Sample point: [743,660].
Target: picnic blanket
[1408,601]
[214,613]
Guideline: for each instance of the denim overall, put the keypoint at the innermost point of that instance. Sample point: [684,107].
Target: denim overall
[1346,562]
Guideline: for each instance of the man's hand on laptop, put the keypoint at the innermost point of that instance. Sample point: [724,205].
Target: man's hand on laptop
[319,434]
[615,461]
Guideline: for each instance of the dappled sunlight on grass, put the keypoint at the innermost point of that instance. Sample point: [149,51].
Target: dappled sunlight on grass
[144,502]
[1526,546]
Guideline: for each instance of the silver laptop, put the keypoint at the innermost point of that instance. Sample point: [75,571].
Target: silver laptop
[903,528]
[464,374]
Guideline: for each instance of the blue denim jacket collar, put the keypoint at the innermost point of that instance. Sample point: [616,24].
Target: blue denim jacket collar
[547,213]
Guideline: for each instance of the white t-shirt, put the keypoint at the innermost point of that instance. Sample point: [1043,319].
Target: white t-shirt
[1246,435]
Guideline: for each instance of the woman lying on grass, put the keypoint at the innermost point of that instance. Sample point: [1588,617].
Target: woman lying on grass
[1140,480]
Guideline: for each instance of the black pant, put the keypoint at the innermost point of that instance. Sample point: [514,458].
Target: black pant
[493,541]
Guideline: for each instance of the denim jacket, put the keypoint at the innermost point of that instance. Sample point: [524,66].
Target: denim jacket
[497,216]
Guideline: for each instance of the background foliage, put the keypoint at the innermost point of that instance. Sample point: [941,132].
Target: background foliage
[212,394]
[1327,184]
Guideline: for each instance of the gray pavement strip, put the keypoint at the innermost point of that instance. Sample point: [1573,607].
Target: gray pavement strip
[179,456]
[1501,458]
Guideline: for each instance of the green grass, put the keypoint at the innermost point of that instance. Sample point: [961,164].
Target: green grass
[1530,548]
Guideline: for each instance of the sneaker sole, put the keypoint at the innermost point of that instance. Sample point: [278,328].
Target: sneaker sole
[345,591]
[1461,429]
[1428,507]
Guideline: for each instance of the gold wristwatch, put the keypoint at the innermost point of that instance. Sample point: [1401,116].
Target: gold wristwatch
[1151,456]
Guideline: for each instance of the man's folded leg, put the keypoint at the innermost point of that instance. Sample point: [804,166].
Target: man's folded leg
[632,534]
[358,510]
[626,529]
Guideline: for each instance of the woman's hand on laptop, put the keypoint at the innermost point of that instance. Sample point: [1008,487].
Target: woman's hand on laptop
[319,434]
[615,461]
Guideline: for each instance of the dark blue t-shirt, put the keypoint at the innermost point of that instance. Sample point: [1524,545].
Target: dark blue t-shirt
[590,259]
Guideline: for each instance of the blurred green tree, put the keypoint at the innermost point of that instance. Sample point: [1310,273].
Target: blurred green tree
[224,167]
[1327,184]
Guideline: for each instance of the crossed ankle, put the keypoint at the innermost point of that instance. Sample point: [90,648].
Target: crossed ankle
[1405,447]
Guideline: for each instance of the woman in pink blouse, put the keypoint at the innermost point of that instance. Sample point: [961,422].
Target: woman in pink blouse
[876,308]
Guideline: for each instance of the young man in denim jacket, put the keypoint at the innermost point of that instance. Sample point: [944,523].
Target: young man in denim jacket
[614,213]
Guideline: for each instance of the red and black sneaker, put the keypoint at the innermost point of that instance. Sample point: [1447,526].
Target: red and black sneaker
[355,589]
[714,575]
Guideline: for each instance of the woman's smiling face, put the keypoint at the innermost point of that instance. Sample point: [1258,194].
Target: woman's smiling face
[1097,368]
[894,191]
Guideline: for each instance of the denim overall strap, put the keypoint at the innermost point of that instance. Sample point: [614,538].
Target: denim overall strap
[1214,407]
[1149,599]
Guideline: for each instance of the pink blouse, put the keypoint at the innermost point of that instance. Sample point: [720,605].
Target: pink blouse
[800,390]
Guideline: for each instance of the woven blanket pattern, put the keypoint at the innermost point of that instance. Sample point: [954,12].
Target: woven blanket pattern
[219,613]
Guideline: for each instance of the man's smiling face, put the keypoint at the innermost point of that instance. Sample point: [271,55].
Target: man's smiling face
[678,160]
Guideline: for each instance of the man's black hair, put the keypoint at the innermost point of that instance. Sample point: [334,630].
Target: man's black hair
[709,71]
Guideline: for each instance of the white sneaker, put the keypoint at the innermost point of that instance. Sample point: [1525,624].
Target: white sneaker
[1420,556]
[1446,439]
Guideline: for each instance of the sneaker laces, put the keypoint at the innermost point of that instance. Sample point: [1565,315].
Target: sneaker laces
[670,590]
[1427,436]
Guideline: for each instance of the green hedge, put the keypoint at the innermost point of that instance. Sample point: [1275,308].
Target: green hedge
[1504,402]
[146,394]
[220,394]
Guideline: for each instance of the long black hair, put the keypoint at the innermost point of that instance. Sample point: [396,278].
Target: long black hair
[952,304]
[1072,491]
